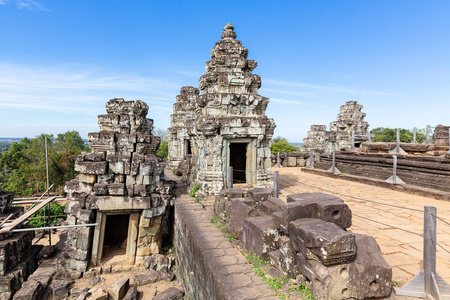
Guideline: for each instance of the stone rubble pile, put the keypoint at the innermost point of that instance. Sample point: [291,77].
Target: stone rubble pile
[308,236]
[122,174]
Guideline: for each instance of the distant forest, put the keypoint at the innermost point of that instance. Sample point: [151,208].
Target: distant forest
[5,143]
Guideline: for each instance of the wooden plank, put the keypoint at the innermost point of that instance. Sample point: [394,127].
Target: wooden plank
[23,217]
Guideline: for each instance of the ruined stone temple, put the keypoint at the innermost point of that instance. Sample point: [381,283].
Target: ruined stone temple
[226,124]
[349,119]
[121,187]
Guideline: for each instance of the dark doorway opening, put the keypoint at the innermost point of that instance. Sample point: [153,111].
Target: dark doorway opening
[116,233]
[357,145]
[188,147]
[238,160]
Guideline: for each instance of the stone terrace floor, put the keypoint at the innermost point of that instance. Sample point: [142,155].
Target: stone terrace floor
[402,250]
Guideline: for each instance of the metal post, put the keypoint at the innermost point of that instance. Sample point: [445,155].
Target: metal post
[428,283]
[448,141]
[230,177]
[311,160]
[398,149]
[369,135]
[48,194]
[394,178]
[276,184]
[333,169]
[353,140]
[415,135]
[427,135]
[278,160]
[429,249]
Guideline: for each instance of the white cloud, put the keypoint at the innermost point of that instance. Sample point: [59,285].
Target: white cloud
[299,86]
[73,90]
[30,5]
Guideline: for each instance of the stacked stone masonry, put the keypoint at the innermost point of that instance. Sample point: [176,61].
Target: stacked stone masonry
[224,126]
[17,254]
[308,236]
[349,119]
[124,176]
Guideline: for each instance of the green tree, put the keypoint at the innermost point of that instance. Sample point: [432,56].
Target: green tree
[382,134]
[280,144]
[66,148]
[163,150]
[18,184]
[27,159]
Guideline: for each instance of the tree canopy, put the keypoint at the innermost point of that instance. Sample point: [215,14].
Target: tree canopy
[280,144]
[382,134]
[23,168]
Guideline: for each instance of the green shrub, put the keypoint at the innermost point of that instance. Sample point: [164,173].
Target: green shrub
[56,210]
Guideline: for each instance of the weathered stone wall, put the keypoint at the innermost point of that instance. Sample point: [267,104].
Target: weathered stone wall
[441,136]
[121,175]
[229,110]
[349,119]
[425,171]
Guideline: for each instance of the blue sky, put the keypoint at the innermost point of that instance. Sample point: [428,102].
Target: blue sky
[61,61]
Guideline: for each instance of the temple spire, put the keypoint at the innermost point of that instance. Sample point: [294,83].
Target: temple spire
[228,33]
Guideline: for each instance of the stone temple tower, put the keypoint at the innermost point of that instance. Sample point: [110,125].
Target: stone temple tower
[226,124]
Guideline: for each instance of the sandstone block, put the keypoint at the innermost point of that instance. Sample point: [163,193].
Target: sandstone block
[97,294]
[30,290]
[100,156]
[171,293]
[91,167]
[132,294]
[87,178]
[260,236]
[119,288]
[260,195]
[323,241]
[116,189]
[272,205]
[317,205]
[105,178]
[237,211]
[224,196]
[60,289]
[367,276]
[146,278]
[288,256]
[100,189]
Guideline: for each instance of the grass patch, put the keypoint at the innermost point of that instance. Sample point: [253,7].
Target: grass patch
[193,192]
[274,283]
[216,222]
[281,285]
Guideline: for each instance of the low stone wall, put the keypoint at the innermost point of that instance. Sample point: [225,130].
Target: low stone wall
[425,171]
[291,159]
[209,267]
